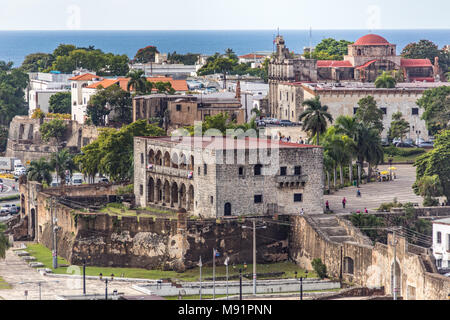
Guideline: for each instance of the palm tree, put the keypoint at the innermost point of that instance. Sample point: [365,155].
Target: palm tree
[386,80]
[39,171]
[137,81]
[315,117]
[368,147]
[61,162]
[347,126]
[337,146]
[4,244]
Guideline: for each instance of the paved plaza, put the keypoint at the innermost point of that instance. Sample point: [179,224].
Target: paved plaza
[14,270]
[376,193]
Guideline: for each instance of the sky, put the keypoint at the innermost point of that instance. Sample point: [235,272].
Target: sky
[222,14]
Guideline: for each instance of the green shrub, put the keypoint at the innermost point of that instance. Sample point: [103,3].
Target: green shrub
[129,189]
[392,151]
[115,205]
[430,202]
[320,268]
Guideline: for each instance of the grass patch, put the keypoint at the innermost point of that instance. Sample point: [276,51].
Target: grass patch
[44,255]
[118,209]
[9,198]
[406,155]
[4,285]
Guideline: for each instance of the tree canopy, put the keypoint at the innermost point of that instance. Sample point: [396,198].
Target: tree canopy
[145,55]
[112,153]
[186,59]
[330,49]
[436,103]
[385,80]
[107,100]
[55,128]
[315,117]
[66,58]
[369,114]
[399,126]
[425,49]
[12,97]
[60,102]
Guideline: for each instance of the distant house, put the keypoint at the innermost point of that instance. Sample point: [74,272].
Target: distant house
[84,86]
[255,59]
[441,243]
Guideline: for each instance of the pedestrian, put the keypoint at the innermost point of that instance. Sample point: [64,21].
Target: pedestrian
[365,210]
[14,187]
[302,212]
[327,206]
[344,201]
[358,193]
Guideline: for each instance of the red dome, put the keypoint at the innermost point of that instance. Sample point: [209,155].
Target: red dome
[371,39]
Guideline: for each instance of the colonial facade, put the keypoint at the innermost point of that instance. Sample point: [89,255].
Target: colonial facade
[184,110]
[367,58]
[441,243]
[216,177]
[342,100]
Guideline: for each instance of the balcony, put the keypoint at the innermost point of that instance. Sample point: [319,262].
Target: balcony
[292,179]
[171,172]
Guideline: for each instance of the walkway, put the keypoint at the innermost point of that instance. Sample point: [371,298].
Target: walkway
[15,270]
[376,193]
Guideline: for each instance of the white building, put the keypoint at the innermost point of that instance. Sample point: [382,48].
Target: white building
[81,95]
[441,243]
[42,86]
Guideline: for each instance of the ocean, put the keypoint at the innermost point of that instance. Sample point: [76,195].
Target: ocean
[15,45]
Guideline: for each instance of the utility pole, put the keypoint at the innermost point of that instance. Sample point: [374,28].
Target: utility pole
[226,264]
[395,268]
[84,276]
[240,284]
[214,274]
[254,257]
[200,265]
[54,252]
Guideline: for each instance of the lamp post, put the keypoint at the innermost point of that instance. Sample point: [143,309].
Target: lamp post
[200,264]
[254,252]
[226,264]
[390,168]
[240,284]
[84,276]
[106,284]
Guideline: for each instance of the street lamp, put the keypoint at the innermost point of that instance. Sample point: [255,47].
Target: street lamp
[390,168]
[301,284]
[240,284]
[106,283]
[84,276]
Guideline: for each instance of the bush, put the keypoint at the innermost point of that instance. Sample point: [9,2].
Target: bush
[386,207]
[320,268]
[430,202]
[392,151]
[60,116]
[38,114]
[129,189]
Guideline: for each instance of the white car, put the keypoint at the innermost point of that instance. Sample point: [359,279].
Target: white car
[19,171]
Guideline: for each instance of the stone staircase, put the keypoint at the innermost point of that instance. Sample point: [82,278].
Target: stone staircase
[330,226]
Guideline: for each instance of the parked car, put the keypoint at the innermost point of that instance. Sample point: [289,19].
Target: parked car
[286,123]
[14,209]
[4,213]
[419,141]
[55,183]
[19,171]
[385,142]
[8,208]
[404,145]
[103,180]
[396,140]
[260,123]
[427,144]
[409,141]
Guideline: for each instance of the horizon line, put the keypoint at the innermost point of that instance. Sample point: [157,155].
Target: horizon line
[262,29]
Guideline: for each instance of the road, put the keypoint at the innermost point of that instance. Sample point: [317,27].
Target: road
[9,191]
[14,270]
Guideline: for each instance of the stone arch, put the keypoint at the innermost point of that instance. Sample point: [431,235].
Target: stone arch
[348,265]
[166,192]
[183,161]
[166,159]
[151,190]
[183,197]
[158,191]
[190,204]
[151,157]
[158,158]
[174,194]
[191,163]
[175,160]
[227,209]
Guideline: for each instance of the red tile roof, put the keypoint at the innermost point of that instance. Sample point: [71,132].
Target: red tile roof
[371,40]
[416,63]
[226,143]
[422,79]
[365,65]
[122,82]
[85,77]
[252,56]
[177,85]
[333,64]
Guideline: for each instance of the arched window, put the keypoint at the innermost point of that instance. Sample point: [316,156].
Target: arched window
[258,169]
[227,209]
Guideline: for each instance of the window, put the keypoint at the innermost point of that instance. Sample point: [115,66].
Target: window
[142,158]
[439,263]
[439,238]
[241,171]
[384,110]
[84,99]
[205,169]
[298,170]
[212,199]
[355,110]
[283,171]
[178,107]
[199,171]
[258,198]
[298,197]
[415,111]
[141,189]
[258,170]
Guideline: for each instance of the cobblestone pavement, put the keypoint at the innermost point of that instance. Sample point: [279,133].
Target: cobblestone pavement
[14,270]
[373,194]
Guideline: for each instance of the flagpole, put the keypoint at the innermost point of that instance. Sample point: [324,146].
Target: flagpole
[214,274]
[200,265]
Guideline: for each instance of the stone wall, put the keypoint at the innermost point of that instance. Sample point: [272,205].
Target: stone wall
[372,265]
[25,142]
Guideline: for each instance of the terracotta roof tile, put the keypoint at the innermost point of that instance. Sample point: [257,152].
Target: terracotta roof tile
[85,77]
[371,40]
[416,63]
[333,64]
